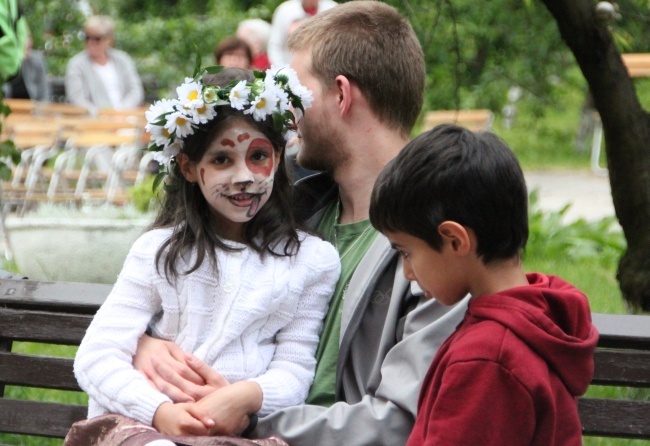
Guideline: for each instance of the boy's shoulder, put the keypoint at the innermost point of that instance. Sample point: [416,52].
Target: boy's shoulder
[489,340]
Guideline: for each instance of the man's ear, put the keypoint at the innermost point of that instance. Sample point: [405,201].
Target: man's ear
[456,237]
[187,168]
[344,94]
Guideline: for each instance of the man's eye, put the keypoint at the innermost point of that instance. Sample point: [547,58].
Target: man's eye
[404,254]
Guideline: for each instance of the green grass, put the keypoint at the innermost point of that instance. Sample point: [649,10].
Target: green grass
[47,395]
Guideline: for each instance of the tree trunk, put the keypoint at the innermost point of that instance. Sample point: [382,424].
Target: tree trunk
[627,137]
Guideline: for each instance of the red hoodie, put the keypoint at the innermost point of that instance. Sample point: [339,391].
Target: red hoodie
[511,372]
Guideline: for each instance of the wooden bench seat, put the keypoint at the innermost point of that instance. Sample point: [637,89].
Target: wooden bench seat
[59,313]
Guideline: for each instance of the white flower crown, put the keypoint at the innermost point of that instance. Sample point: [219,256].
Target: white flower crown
[170,121]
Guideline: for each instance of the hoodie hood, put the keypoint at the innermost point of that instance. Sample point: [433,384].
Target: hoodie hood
[553,318]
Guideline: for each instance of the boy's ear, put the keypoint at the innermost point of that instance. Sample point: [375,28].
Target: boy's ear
[187,167]
[456,237]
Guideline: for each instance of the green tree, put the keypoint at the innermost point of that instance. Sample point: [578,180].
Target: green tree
[627,132]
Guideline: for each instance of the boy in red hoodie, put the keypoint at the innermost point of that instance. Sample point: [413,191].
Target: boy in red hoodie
[454,203]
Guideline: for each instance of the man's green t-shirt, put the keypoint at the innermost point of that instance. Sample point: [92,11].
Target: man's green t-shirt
[352,241]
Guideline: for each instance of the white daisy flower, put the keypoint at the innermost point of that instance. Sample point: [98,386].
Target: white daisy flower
[180,124]
[157,109]
[284,70]
[282,97]
[163,157]
[305,95]
[263,105]
[239,95]
[159,134]
[189,93]
[203,114]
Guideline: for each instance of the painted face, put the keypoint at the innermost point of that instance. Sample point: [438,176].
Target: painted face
[320,146]
[236,174]
[435,272]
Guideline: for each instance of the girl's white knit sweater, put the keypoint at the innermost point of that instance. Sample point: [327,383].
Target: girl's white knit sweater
[259,319]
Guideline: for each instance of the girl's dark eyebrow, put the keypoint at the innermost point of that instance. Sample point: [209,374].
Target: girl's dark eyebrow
[219,151]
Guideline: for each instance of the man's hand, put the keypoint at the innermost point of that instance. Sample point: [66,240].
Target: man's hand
[176,419]
[180,376]
[230,407]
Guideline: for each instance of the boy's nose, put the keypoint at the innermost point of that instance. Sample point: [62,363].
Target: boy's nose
[408,271]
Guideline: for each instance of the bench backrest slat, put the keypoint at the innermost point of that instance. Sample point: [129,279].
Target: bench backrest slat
[40,326]
[37,371]
[622,330]
[614,418]
[64,297]
[622,368]
[37,418]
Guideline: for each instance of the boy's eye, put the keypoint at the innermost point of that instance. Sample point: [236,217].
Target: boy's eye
[403,254]
[220,160]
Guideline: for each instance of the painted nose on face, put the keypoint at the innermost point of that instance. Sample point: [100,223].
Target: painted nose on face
[242,176]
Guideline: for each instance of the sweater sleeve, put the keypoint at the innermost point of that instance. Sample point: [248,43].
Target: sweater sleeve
[76,89]
[480,402]
[103,364]
[291,371]
[133,89]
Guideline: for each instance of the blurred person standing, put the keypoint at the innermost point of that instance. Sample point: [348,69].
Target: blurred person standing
[101,76]
[256,33]
[283,16]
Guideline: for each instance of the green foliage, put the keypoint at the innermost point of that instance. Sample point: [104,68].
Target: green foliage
[473,55]
[550,236]
[145,197]
[55,26]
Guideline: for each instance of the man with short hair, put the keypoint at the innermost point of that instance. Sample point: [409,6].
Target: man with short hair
[365,68]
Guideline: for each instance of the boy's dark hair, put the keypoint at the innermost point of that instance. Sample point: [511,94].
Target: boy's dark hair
[184,207]
[451,173]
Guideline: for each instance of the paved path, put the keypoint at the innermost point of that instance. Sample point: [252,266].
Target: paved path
[589,193]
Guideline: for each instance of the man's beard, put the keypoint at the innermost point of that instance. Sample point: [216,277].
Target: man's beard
[320,146]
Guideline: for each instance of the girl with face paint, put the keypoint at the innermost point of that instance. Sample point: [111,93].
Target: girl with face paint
[228,275]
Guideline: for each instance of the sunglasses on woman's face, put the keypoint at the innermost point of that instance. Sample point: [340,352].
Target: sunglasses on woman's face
[95,39]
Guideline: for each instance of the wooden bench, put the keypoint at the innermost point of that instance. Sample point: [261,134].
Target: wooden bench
[59,313]
[637,64]
[475,120]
